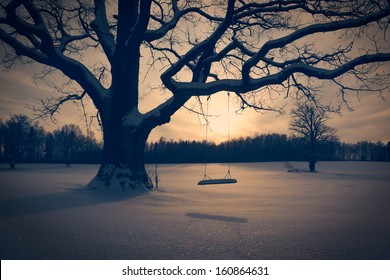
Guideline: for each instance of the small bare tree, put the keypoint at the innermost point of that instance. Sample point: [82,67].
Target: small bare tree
[255,49]
[308,123]
[68,140]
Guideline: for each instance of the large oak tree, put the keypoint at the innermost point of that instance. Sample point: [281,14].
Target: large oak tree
[253,49]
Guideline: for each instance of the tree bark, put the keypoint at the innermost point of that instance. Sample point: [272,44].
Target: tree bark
[123,165]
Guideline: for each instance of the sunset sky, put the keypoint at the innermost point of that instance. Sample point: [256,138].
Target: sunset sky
[370,119]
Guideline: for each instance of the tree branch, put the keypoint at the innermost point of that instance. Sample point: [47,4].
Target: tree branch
[166,26]
[237,85]
[101,27]
[46,52]
[309,30]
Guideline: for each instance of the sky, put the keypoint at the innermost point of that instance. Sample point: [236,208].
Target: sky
[370,119]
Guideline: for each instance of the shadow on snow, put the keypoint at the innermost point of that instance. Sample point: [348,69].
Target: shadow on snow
[71,198]
[217,218]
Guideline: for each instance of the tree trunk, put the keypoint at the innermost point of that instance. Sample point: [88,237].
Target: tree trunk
[124,132]
[312,166]
[67,159]
[123,166]
[312,155]
[12,164]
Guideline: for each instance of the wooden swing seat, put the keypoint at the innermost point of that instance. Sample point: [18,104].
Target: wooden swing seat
[217,181]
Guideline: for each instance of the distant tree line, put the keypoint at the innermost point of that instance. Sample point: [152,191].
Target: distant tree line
[261,148]
[22,140]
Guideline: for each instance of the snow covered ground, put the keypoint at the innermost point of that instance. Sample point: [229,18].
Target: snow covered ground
[341,212]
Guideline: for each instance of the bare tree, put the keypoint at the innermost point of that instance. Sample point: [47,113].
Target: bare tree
[255,49]
[36,143]
[16,132]
[308,123]
[68,140]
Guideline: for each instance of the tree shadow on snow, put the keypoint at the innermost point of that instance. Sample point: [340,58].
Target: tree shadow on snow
[71,198]
[217,218]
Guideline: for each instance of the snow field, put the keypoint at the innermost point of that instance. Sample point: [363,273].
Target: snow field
[341,212]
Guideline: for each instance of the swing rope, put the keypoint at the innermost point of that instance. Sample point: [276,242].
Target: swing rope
[228,174]
[205,177]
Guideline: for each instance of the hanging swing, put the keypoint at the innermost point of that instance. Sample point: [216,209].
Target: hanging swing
[228,177]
